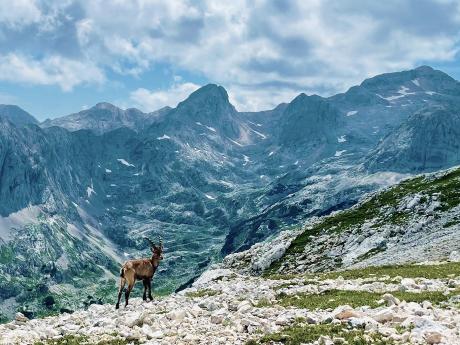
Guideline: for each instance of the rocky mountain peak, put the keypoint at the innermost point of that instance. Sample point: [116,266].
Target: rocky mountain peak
[421,79]
[208,97]
[105,106]
[16,115]
[308,118]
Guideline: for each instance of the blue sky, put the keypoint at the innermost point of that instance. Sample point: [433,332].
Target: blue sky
[59,57]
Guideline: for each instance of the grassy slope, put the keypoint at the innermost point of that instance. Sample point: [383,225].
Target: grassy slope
[447,186]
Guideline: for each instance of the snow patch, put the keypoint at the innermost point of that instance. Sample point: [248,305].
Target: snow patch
[339,153]
[341,139]
[263,136]
[246,160]
[403,92]
[108,171]
[235,142]
[210,197]
[90,190]
[352,112]
[124,162]
[271,153]
[416,82]
[163,137]
[212,129]
[255,124]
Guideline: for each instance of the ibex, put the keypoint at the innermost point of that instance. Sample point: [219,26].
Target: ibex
[140,269]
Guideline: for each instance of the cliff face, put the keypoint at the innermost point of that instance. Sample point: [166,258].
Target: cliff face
[426,141]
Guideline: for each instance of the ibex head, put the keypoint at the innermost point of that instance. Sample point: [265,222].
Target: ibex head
[157,251]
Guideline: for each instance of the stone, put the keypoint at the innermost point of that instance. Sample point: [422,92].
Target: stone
[433,337]
[408,283]
[454,256]
[325,340]
[244,306]
[218,316]
[345,312]
[176,315]
[383,316]
[133,319]
[282,320]
[20,317]
[390,299]
[427,305]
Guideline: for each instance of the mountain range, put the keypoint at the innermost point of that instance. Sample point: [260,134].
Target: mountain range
[78,193]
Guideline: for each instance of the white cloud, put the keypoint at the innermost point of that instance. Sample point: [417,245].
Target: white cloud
[152,100]
[321,46]
[19,12]
[263,51]
[53,70]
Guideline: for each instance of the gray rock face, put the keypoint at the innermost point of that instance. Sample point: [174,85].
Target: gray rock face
[16,115]
[427,141]
[311,121]
[105,117]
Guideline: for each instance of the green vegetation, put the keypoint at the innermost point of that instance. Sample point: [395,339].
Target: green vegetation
[83,340]
[446,187]
[6,254]
[444,270]
[331,299]
[408,271]
[202,293]
[451,223]
[303,333]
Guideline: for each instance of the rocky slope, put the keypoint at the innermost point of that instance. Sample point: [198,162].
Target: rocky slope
[224,307]
[16,115]
[414,220]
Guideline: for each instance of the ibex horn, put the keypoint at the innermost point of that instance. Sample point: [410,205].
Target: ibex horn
[160,239]
[149,241]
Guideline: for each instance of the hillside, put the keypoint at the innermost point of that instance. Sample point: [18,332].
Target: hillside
[413,221]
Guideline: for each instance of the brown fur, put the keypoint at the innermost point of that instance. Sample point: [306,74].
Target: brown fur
[139,269]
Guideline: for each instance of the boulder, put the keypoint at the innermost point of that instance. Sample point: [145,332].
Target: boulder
[433,337]
[454,256]
[384,315]
[390,299]
[176,315]
[244,307]
[20,317]
[345,312]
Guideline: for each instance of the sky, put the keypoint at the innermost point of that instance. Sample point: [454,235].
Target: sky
[59,57]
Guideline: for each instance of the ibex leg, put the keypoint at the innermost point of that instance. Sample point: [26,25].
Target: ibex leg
[120,291]
[149,285]
[128,291]
[144,296]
